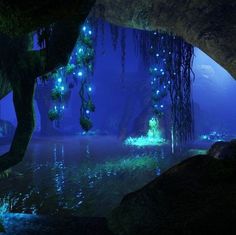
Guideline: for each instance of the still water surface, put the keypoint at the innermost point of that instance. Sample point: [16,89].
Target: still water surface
[80,175]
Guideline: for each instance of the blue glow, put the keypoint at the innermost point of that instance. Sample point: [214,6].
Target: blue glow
[59,80]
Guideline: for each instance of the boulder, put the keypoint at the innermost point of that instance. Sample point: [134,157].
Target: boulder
[197,196]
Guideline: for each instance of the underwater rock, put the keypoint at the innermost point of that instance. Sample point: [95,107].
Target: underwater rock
[223,150]
[196,196]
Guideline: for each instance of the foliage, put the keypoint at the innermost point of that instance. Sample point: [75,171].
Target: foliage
[85,123]
[79,68]
[152,138]
[54,114]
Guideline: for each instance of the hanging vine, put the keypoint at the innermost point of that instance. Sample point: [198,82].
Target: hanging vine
[171,69]
[79,68]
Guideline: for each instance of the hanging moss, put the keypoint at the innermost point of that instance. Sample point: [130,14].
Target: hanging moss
[178,65]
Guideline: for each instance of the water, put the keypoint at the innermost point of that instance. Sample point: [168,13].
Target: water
[81,175]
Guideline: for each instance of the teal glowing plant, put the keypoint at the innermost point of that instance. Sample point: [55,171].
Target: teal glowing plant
[153,137]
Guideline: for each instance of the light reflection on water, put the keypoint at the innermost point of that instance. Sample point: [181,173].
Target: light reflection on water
[85,176]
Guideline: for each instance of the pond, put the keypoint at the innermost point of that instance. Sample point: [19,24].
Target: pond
[81,175]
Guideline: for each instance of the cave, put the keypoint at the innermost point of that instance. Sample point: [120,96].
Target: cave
[117,117]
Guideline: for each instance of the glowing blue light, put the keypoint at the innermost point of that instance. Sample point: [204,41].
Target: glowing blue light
[155,69]
[163,73]
[80,74]
[59,80]
[164,51]
[164,87]
[168,82]
[84,28]
[55,107]
[87,111]
[157,55]
[162,106]
[158,92]
[161,70]
[62,88]
[80,50]
[63,107]
[90,32]
[90,89]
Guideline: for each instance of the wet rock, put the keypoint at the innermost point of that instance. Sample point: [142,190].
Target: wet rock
[197,196]
[223,150]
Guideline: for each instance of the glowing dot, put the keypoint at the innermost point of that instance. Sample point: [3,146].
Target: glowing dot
[62,88]
[87,111]
[90,32]
[158,92]
[84,28]
[164,87]
[59,80]
[157,55]
[155,69]
[63,107]
[80,74]
[162,106]
[90,89]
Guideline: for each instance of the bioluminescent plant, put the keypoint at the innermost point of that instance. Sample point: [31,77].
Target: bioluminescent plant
[152,138]
[78,70]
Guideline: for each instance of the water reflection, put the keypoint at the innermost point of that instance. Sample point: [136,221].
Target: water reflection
[80,175]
